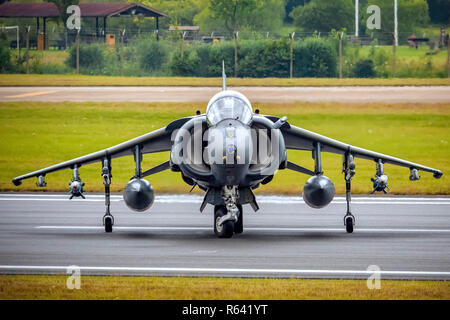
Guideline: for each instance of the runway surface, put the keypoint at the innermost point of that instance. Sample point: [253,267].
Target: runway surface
[200,94]
[406,238]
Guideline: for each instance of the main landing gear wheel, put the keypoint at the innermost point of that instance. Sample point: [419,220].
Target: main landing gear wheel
[349,222]
[239,225]
[225,230]
[108,221]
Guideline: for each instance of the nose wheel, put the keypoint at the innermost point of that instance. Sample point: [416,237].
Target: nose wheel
[225,229]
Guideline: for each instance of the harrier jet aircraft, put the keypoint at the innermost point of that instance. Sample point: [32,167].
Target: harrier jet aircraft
[228,152]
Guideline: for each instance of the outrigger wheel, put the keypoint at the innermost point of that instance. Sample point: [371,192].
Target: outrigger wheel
[349,221]
[225,230]
[108,222]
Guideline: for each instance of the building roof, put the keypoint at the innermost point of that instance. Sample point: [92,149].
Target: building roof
[49,9]
[117,9]
[184,28]
[28,10]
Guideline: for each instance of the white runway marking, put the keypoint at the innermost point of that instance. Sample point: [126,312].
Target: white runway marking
[226,270]
[196,199]
[199,197]
[385,230]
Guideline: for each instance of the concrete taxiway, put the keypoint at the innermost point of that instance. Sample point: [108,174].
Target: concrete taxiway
[425,94]
[405,237]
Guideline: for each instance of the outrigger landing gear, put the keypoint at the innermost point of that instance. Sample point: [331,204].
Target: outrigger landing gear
[349,171]
[108,219]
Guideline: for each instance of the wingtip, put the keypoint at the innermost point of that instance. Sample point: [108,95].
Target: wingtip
[17,182]
[437,174]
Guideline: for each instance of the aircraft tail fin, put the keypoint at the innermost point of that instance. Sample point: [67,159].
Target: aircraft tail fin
[224,77]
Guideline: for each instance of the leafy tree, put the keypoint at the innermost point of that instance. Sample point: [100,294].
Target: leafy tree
[180,12]
[439,11]
[364,69]
[151,54]
[219,52]
[91,57]
[233,13]
[184,63]
[411,14]
[314,57]
[241,15]
[291,4]
[324,15]
[265,58]
[268,17]
[62,7]
[5,56]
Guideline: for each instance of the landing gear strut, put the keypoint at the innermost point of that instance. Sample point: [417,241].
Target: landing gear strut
[108,219]
[349,171]
[239,224]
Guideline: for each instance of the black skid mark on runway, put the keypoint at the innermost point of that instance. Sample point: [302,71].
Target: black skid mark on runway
[251,236]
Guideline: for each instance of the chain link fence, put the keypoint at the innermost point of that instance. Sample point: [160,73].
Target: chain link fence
[60,38]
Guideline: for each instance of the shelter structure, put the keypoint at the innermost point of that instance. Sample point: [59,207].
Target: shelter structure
[98,11]
[108,10]
[188,32]
[39,10]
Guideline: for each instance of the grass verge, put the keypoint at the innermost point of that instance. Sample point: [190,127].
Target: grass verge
[33,80]
[180,288]
[38,134]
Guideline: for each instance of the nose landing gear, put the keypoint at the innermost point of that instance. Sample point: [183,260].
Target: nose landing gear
[228,218]
[222,229]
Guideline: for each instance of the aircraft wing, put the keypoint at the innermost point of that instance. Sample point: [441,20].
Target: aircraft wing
[301,139]
[155,141]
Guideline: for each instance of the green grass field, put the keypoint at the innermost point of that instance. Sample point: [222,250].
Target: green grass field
[410,62]
[37,134]
[177,288]
[405,53]
[33,80]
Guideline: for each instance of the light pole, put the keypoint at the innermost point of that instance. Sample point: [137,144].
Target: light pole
[291,52]
[341,35]
[395,23]
[357,18]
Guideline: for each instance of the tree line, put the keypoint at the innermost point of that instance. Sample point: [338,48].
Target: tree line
[280,16]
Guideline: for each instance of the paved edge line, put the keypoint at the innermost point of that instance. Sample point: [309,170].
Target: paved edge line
[267,201]
[163,228]
[226,270]
[200,198]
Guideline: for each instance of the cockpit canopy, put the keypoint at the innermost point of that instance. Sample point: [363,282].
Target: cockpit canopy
[229,105]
